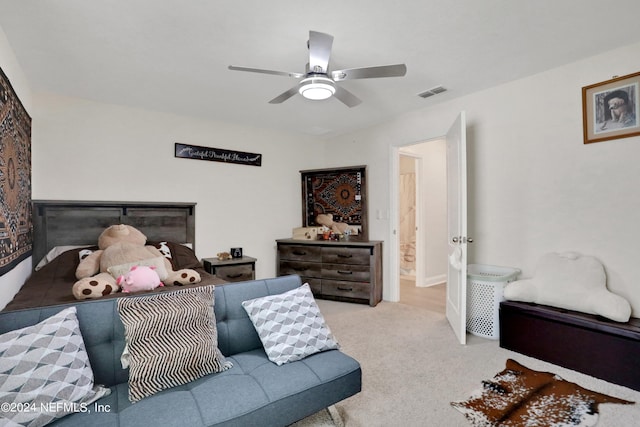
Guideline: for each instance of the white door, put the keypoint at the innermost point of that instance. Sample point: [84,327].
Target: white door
[457,227]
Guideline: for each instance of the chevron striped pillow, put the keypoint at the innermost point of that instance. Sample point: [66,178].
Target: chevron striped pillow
[171,338]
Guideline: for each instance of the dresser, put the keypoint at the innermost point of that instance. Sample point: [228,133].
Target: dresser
[231,270]
[348,270]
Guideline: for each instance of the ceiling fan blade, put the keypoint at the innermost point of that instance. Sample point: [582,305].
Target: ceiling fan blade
[397,70]
[319,51]
[346,97]
[261,71]
[284,96]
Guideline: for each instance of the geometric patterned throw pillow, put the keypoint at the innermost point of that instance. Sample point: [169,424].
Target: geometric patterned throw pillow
[290,325]
[45,372]
[171,339]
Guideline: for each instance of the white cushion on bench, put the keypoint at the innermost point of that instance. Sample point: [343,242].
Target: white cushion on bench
[571,281]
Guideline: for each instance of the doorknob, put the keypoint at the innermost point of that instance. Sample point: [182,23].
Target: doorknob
[469,240]
[454,240]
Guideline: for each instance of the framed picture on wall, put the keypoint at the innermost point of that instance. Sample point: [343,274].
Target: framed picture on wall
[610,109]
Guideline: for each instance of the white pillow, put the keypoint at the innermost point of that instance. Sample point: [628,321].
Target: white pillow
[572,281]
[163,247]
[290,325]
[157,262]
[45,367]
[54,252]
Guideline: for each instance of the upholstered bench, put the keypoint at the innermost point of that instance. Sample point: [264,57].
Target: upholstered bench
[583,342]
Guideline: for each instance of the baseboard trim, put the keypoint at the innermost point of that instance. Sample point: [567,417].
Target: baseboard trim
[432,281]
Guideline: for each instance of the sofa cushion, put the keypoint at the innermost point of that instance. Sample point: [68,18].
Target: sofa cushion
[45,371]
[236,333]
[254,392]
[290,325]
[171,339]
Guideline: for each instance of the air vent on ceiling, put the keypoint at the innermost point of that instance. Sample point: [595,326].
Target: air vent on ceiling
[433,91]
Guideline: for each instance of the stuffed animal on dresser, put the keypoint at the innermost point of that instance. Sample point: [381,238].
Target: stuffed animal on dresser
[120,248]
[337,227]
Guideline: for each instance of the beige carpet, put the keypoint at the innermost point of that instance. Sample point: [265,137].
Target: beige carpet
[413,368]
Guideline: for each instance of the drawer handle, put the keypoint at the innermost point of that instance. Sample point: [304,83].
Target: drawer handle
[234,276]
[299,253]
[299,268]
[345,289]
[344,272]
[345,256]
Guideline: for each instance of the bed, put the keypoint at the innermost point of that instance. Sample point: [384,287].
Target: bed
[62,229]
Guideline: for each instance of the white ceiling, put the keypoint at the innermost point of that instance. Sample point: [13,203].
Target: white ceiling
[172,55]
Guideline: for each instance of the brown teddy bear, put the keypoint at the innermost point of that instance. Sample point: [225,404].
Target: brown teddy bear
[336,227]
[121,247]
[223,256]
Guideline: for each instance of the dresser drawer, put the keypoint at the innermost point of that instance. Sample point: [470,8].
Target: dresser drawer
[339,288]
[301,268]
[349,270]
[346,255]
[356,273]
[235,273]
[314,284]
[300,253]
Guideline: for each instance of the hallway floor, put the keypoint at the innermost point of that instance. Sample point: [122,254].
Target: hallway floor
[432,298]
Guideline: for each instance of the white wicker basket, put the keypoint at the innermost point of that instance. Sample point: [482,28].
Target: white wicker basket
[485,291]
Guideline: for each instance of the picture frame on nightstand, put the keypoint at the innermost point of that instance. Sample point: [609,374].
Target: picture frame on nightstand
[236,252]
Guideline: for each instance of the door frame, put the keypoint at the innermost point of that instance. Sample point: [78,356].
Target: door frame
[394,218]
[419,220]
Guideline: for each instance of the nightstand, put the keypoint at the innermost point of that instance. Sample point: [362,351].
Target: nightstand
[231,270]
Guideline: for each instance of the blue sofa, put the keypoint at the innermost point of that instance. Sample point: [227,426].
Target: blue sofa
[255,392]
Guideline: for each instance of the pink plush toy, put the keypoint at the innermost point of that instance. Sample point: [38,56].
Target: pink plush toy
[139,278]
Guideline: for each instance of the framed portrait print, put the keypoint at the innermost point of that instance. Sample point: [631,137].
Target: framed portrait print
[610,109]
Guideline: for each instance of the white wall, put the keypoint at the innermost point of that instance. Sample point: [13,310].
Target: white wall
[534,187]
[11,282]
[84,150]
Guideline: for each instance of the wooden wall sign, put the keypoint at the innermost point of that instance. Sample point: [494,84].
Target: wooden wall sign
[197,152]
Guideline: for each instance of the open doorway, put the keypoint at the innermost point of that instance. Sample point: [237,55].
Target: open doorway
[422,224]
[408,215]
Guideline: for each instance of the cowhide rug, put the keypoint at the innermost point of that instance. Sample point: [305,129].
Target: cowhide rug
[519,396]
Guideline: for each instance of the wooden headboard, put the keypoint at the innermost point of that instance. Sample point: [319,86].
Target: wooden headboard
[63,222]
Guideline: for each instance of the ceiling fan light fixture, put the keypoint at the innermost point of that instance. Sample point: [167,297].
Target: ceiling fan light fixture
[317,88]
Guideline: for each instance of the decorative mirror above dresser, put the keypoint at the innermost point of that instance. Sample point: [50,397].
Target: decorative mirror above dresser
[341,192]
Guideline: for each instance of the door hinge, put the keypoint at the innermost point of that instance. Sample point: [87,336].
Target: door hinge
[462,239]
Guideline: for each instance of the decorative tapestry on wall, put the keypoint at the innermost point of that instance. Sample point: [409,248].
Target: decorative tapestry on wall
[340,192]
[16,232]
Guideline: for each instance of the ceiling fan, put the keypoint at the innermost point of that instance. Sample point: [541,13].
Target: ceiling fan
[317,82]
